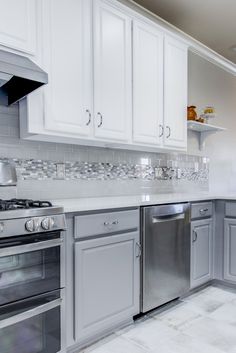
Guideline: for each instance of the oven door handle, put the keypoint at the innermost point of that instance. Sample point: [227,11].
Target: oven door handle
[20,249]
[30,313]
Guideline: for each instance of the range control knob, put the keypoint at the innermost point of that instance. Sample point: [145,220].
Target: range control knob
[29,225]
[47,223]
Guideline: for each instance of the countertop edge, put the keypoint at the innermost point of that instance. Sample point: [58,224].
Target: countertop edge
[119,202]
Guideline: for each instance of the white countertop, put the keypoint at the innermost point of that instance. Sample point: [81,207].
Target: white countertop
[102,203]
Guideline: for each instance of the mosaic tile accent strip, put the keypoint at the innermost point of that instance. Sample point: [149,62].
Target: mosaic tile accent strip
[179,167]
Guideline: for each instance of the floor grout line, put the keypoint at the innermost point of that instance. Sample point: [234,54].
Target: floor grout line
[197,324]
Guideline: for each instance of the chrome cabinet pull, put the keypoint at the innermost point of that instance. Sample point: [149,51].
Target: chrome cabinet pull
[89,117]
[203,210]
[109,224]
[138,250]
[101,119]
[161,129]
[169,129]
[194,236]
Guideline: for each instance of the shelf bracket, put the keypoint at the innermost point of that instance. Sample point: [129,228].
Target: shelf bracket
[202,138]
[203,131]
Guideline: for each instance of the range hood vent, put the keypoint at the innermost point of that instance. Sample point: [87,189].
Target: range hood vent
[19,76]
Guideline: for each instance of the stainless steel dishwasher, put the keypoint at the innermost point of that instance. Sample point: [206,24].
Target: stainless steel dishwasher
[166,254]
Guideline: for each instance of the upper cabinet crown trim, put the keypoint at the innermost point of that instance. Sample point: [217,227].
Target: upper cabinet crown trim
[194,45]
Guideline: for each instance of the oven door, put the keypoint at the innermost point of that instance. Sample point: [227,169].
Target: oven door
[31,325]
[29,266]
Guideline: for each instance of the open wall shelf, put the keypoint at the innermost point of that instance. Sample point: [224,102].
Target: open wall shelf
[204,131]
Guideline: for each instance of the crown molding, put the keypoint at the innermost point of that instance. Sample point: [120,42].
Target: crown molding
[195,46]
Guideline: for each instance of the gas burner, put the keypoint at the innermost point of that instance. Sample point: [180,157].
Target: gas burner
[15,204]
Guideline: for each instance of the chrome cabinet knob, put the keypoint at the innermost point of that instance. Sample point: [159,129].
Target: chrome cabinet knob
[29,225]
[47,223]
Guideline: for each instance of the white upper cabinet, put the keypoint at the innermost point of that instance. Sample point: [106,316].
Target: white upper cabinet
[64,106]
[115,78]
[112,72]
[175,93]
[147,84]
[159,88]
[68,96]
[18,25]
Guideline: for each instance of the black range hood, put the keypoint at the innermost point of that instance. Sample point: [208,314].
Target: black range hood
[19,76]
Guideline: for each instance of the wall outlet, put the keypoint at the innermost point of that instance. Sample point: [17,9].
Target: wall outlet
[178,173]
[60,171]
[158,172]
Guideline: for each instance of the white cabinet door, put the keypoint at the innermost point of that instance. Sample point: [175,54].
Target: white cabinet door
[106,283]
[112,70]
[18,25]
[230,249]
[64,106]
[147,84]
[201,252]
[175,93]
[67,55]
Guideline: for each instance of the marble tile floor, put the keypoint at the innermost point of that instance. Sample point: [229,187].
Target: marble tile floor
[204,322]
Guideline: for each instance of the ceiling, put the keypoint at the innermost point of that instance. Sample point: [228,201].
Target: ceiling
[212,22]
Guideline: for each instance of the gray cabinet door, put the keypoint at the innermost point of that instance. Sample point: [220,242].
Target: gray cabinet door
[106,283]
[201,252]
[230,249]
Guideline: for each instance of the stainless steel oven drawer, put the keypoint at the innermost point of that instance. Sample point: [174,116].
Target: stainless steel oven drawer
[201,209]
[104,223]
[32,325]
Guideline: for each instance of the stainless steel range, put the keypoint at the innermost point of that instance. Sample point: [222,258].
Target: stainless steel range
[31,276]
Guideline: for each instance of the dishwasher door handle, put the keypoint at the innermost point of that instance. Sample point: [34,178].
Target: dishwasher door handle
[162,219]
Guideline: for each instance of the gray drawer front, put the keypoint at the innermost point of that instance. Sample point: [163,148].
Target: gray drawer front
[104,223]
[230,209]
[201,210]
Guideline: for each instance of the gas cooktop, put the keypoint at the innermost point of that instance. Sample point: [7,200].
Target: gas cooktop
[15,204]
[24,208]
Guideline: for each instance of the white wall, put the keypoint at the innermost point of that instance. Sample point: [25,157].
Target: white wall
[210,85]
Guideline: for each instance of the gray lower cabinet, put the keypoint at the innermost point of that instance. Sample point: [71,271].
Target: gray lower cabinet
[201,252]
[106,283]
[230,249]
